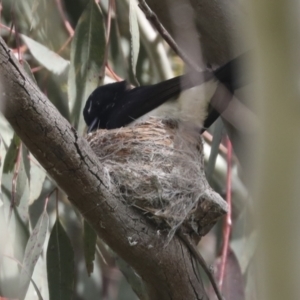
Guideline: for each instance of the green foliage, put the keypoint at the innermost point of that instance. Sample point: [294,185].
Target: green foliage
[33,250]
[87,60]
[60,264]
[90,239]
[67,66]
[11,155]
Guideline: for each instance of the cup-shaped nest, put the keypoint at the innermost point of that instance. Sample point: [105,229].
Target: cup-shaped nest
[158,167]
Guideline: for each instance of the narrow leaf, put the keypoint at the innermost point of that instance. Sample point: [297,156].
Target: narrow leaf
[56,87]
[87,56]
[134,34]
[60,264]
[25,157]
[132,278]
[46,57]
[118,59]
[27,68]
[244,249]
[11,155]
[37,178]
[22,186]
[90,239]
[21,238]
[7,134]
[33,250]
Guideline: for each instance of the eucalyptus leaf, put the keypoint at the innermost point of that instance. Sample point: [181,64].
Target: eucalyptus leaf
[118,60]
[22,186]
[6,132]
[37,178]
[244,248]
[134,35]
[46,57]
[87,58]
[21,238]
[60,264]
[33,251]
[27,68]
[90,238]
[11,155]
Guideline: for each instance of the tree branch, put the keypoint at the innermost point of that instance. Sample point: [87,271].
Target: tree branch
[168,272]
[153,19]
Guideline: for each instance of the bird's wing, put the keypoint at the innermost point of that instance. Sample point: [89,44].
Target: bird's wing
[114,105]
[141,100]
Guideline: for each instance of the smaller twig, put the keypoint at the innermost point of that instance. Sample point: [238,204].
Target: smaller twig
[228,222]
[56,201]
[153,19]
[196,254]
[66,43]
[64,18]
[209,138]
[14,182]
[37,69]
[111,73]
[26,272]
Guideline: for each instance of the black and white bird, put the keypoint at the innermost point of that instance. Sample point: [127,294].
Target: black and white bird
[117,105]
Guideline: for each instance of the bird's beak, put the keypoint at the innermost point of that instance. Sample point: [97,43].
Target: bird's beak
[93,125]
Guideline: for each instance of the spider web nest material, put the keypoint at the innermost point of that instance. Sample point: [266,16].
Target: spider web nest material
[158,167]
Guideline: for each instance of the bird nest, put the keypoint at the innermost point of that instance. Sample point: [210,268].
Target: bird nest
[158,167]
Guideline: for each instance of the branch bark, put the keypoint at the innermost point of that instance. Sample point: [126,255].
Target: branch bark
[168,272]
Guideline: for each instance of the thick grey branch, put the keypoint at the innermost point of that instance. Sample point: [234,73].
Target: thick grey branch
[168,272]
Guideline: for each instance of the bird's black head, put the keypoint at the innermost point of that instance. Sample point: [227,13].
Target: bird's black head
[100,104]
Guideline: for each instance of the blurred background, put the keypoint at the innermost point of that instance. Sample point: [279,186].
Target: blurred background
[251,153]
